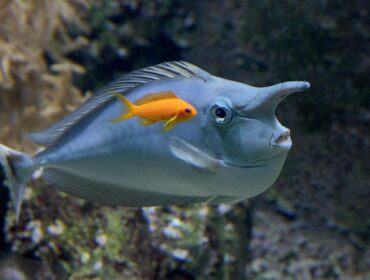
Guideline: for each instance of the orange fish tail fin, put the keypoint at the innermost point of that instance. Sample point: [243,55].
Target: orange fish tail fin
[129,113]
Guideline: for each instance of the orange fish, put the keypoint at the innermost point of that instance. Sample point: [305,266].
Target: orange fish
[155,107]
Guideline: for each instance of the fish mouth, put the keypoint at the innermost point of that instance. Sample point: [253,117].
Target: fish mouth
[282,141]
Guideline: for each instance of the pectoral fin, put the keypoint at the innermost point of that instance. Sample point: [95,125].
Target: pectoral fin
[192,155]
[170,124]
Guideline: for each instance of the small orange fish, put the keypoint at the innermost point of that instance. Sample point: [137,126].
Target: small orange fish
[155,107]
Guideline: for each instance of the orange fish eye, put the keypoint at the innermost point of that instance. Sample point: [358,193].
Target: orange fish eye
[187,110]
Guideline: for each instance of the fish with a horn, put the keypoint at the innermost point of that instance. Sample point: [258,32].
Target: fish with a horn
[232,149]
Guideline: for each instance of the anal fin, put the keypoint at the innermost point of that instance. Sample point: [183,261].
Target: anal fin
[146,122]
[114,195]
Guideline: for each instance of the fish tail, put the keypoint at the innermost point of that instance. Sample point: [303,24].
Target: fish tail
[129,113]
[16,169]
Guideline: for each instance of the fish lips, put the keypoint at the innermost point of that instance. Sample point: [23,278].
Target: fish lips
[282,141]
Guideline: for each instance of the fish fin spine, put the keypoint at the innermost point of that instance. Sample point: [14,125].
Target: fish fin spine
[124,84]
[16,169]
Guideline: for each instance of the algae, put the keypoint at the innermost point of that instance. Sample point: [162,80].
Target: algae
[36,74]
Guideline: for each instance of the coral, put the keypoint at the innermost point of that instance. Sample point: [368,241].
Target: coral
[35,74]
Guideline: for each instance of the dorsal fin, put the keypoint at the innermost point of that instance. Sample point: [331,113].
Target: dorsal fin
[155,97]
[123,85]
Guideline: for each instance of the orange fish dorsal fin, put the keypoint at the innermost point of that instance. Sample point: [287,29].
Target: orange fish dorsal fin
[155,97]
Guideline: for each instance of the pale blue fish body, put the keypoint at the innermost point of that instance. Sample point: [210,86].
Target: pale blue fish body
[233,149]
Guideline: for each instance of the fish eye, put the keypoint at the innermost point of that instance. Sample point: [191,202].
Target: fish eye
[222,114]
[187,110]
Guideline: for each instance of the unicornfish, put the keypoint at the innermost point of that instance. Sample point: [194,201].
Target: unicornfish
[233,149]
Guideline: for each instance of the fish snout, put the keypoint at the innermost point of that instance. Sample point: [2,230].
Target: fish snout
[282,140]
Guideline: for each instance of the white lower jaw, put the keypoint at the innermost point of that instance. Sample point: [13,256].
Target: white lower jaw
[284,145]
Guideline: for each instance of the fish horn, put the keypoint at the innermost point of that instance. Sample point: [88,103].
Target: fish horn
[268,98]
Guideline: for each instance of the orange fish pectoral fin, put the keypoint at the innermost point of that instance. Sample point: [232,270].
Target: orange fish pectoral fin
[170,124]
[130,112]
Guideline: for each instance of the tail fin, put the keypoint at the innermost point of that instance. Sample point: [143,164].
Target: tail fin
[130,112]
[16,168]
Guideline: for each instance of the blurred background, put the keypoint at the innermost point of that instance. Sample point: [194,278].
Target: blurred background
[314,223]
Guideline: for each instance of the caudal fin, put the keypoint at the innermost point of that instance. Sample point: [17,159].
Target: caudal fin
[15,170]
[129,113]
